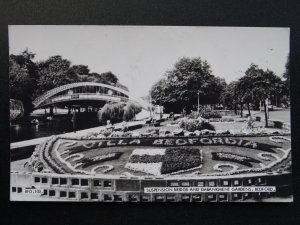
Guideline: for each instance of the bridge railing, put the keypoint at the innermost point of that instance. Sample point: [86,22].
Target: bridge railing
[39,101]
[83,96]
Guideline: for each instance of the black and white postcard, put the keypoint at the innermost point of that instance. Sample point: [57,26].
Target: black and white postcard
[149,114]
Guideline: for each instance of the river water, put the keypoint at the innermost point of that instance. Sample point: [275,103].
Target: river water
[60,125]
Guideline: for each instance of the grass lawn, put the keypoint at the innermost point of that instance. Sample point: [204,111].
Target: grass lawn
[277,114]
[163,125]
[239,124]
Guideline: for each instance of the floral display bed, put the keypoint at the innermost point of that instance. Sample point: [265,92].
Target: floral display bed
[164,161]
[162,156]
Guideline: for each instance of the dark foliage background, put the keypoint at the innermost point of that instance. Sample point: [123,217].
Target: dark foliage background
[272,13]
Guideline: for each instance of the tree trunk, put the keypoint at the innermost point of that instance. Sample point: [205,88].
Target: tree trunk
[266,114]
[235,109]
[242,110]
[248,106]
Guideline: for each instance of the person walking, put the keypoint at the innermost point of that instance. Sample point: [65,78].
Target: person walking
[124,127]
[249,123]
[74,121]
[109,126]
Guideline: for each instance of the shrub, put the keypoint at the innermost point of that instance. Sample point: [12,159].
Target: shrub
[227,119]
[212,114]
[113,112]
[195,115]
[16,109]
[224,119]
[106,133]
[278,124]
[193,124]
[153,130]
[130,111]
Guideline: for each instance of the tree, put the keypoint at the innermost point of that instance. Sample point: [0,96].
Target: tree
[105,78]
[259,85]
[230,96]
[219,89]
[54,72]
[284,98]
[16,109]
[239,97]
[158,93]
[23,79]
[130,111]
[79,69]
[119,85]
[244,86]
[109,77]
[286,73]
[78,73]
[180,87]
[111,111]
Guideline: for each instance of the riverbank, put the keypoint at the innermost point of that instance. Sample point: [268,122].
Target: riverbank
[79,133]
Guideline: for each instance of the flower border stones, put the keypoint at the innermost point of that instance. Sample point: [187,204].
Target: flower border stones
[218,166]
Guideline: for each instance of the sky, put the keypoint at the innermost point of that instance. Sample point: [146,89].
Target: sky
[140,55]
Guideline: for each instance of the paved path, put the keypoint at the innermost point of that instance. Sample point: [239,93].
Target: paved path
[37,141]
[278,114]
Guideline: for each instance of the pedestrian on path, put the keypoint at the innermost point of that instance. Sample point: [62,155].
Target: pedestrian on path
[124,126]
[109,126]
[250,123]
[74,121]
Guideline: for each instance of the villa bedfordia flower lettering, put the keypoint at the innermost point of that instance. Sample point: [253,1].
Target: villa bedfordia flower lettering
[210,141]
[169,142]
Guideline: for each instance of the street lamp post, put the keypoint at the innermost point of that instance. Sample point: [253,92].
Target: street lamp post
[160,107]
[198,102]
[150,100]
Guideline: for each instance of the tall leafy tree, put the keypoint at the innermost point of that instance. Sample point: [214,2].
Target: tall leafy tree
[106,78]
[79,70]
[180,87]
[23,77]
[16,109]
[230,96]
[78,73]
[286,76]
[245,84]
[159,93]
[130,111]
[259,85]
[111,111]
[53,72]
